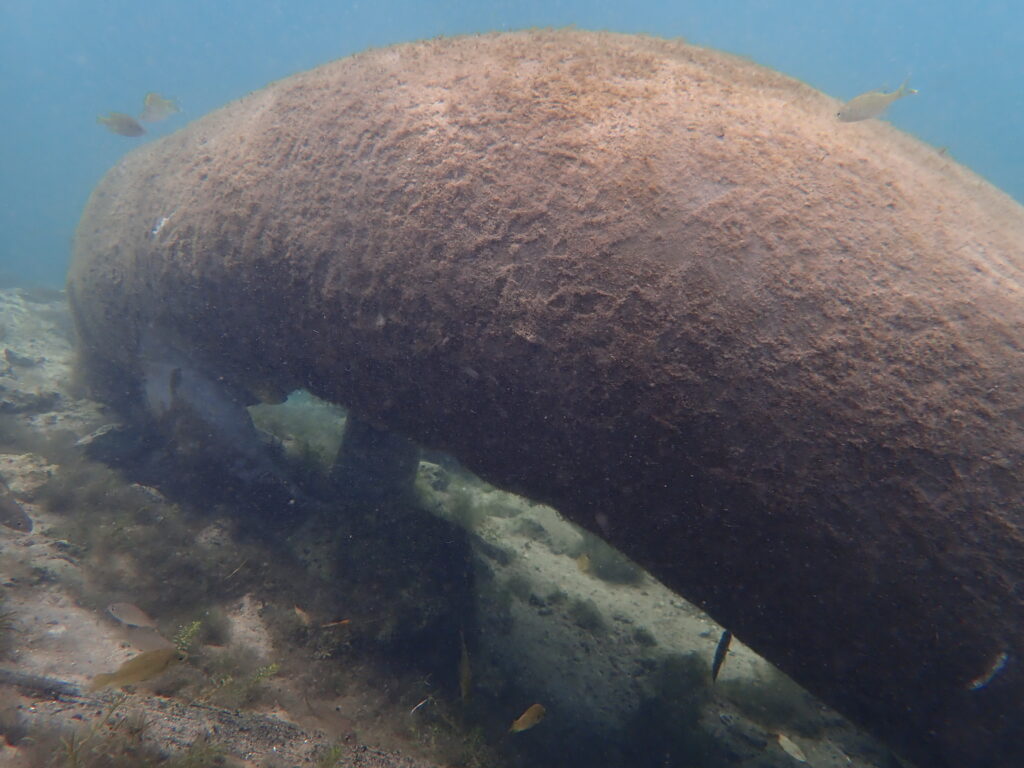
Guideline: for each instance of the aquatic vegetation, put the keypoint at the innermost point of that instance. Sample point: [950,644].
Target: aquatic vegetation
[264,672]
[531,529]
[330,757]
[185,636]
[644,638]
[111,742]
[667,723]
[82,488]
[204,752]
[136,544]
[457,498]
[399,580]
[771,699]
[77,743]
[443,732]
[556,597]
[236,676]
[213,629]
[463,509]
[586,615]
[519,586]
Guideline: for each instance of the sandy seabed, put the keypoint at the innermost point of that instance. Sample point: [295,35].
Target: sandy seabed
[559,620]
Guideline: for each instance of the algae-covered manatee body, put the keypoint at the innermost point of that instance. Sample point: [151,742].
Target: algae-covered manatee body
[772,357]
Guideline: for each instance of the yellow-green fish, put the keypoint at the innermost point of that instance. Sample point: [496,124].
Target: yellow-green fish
[138,669]
[121,124]
[156,108]
[533,715]
[871,104]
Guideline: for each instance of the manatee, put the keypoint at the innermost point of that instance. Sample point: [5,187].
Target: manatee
[773,357]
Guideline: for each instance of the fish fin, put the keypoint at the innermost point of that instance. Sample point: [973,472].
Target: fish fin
[904,90]
[101,681]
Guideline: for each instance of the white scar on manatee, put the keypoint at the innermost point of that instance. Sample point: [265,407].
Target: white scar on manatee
[160,224]
[990,673]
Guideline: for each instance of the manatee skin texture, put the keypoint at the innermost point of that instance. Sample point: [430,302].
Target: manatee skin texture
[773,357]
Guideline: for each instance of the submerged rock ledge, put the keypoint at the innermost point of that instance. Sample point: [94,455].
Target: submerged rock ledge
[774,358]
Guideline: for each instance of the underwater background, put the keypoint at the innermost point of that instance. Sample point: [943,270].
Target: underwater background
[316,582]
[63,63]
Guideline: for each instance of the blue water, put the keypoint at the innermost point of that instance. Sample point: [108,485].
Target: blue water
[63,62]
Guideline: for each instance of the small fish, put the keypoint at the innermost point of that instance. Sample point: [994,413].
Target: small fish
[533,715]
[304,618]
[721,650]
[791,748]
[338,623]
[130,614]
[156,108]
[138,669]
[871,104]
[584,564]
[12,514]
[121,124]
[465,671]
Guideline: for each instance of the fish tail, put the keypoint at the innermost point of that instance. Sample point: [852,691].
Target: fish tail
[101,681]
[904,90]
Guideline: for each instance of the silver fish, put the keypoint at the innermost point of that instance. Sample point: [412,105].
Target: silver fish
[871,104]
[130,614]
